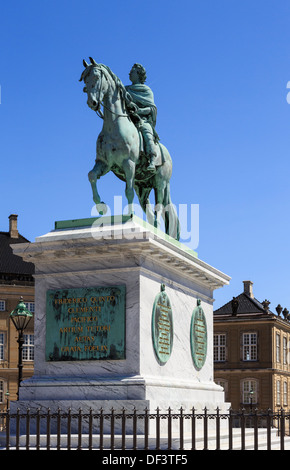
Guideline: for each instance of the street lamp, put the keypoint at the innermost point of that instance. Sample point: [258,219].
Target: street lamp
[20,317]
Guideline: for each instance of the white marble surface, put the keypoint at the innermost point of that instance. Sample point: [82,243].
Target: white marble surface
[86,258]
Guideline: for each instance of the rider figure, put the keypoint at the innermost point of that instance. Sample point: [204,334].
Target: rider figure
[143,97]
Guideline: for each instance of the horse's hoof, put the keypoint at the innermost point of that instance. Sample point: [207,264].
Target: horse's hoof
[102,208]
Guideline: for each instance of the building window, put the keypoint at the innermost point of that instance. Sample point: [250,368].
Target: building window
[284,350]
[28,348]
[2,305]
[278,392]
[278,348]
[285,394]
[249,392]
[249,346]
[219,347]
[30,306]
[1,346]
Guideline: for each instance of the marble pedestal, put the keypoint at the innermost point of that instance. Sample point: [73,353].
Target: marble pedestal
[80,254]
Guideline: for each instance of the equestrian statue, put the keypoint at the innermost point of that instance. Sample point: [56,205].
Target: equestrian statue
[128,144]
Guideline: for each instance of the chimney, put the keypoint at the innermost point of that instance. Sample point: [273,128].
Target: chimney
[248,288]
[13,231]
[235,306]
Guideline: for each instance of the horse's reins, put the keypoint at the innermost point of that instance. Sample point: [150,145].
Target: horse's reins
[99,112]
[113,112]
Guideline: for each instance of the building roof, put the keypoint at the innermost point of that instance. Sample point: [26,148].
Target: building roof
[10,263]
[12,267]
[246,305]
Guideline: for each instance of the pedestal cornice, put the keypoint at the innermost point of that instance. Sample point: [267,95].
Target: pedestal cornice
[134,242]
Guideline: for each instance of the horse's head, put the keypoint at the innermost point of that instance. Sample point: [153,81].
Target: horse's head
[96,85]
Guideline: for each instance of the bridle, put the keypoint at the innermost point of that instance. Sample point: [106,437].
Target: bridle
[98,110]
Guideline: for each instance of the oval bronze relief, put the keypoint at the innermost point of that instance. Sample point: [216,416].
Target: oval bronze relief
[198,336]
[162,326]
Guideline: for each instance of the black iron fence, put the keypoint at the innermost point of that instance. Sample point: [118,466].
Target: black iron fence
[125,430]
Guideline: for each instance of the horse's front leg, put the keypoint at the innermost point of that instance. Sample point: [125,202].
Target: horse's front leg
[129,170]
[100,169]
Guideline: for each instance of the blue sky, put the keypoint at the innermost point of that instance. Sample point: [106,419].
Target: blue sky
[219,71]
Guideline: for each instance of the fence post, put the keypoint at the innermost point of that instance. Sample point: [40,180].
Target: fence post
[80,430]
[157,429]
[243,429]
[69,429]
[230,429]
[27,428]
[17,428]
[91,429]
[181,442]
[123,429]
[205,429]
[282,428]
[112,429]
[169,430]
[146,429]
[7,429]
[48,429]
[134,429]
[38,429]
[193,440]
[218,441]
[58,429]
[101,429]
[269,421]
[256,444]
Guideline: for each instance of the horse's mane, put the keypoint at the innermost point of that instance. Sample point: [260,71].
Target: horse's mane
[119,84]
[124,93]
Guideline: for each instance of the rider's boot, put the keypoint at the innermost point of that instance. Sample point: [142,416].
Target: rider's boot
[152,162]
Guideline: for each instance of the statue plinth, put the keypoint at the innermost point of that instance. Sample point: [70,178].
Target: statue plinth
[123,295]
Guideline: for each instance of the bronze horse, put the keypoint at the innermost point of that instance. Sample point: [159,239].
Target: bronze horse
[119,150]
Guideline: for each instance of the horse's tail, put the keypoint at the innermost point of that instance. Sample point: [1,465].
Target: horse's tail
[171,220]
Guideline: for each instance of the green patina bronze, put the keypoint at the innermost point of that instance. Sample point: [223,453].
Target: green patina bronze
[162,326]
[85,324]
[128,144]
[198,336]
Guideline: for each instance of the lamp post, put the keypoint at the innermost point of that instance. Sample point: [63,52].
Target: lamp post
[20,317]
[7,399]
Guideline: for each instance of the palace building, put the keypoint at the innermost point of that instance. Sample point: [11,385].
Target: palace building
[16,281]
[251,352]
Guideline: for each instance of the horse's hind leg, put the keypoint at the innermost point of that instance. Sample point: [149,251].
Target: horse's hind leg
[143,196]
[100,169]
[159,202]
[171,221]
